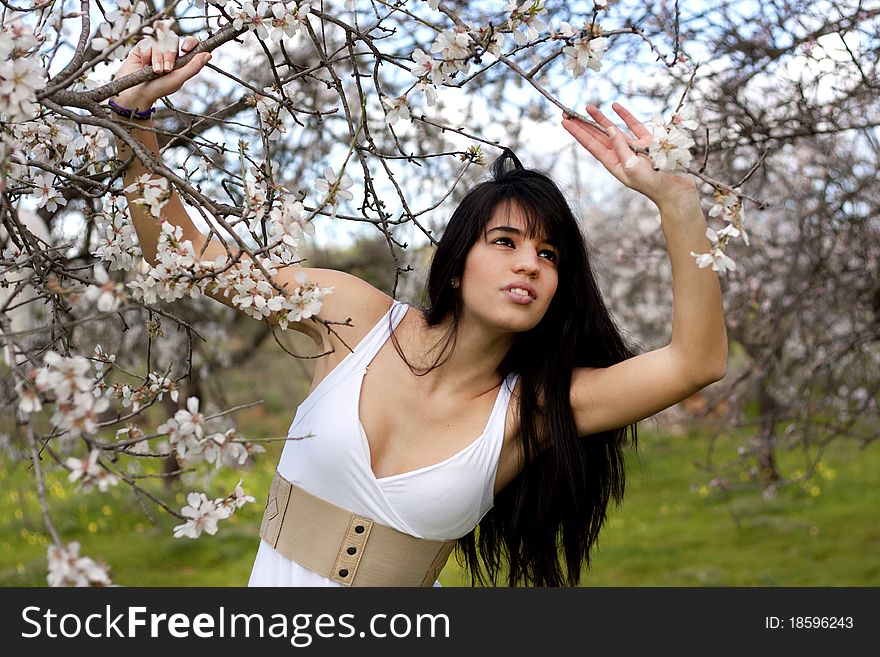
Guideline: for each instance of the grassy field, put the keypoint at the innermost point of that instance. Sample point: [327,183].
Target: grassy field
[824,532]
[670,531]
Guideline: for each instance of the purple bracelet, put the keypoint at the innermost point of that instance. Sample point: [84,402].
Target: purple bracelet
[127,113]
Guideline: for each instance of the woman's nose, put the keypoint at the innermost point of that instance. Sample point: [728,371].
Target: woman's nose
[526,263]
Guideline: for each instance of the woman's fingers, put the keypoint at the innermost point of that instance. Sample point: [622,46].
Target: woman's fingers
[608,143]
[600,135]
[147,53]
[156,58]
[614,138]
[191,68]
[618,140]
[162,61]
[599,117]
[619,144]
[639,130]
[188,44]
[168,58]
[593,140]
[142,53]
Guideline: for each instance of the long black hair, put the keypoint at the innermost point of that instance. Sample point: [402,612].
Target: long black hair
[562,494]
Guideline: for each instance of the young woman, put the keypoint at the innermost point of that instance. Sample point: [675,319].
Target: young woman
[493,420]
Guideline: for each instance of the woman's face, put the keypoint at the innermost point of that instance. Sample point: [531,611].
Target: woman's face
[509,279]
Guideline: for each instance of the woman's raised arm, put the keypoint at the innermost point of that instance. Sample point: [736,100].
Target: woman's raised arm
[636,388]
[352,298]
[142,97]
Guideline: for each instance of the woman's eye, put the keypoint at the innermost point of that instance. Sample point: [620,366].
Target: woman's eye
[552,256]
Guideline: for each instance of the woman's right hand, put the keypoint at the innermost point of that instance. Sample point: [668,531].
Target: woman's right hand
[147,53]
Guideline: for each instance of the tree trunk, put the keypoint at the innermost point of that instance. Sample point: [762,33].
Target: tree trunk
[765,440]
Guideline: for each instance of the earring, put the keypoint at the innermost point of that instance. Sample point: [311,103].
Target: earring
[454,283]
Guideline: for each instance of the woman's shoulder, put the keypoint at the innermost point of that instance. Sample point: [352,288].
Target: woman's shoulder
[349,310]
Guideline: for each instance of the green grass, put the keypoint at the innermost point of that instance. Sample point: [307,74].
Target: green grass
[674,531]
[823,532]
[668,532]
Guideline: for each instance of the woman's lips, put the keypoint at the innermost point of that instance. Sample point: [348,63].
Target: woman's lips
[522,299]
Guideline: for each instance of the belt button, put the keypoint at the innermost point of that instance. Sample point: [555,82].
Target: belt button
[351,549]
[343,573]
[359,529]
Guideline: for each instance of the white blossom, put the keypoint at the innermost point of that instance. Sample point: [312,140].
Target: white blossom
[191,420]
[254,296]
[566,30]
[110,33]
[159,385]
[430,92]
[430,73]
[63,376]
[395,109]
[185,430]
[454,47]
[16,38]
[732,231]
[129,15]
[424,64]
[20,71]
[224,449]
[289,18]
[585,53]
[47,196]
[102,359]
[669,149]
[274,116]
[491,40]
[525,16]
[28,398]
[335,187]
[729,207]
[684,120]
[152,191]
[80,413]
[90,473]
[239,498]
[254,16]
[716,258]
[133,432]
[305,302]
[286,226]
[107,294]
[173,275]
[202,515]
[117,244]
[67,568]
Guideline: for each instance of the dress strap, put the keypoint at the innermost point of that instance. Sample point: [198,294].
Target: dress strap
[494,441]
[362,354]
[370,345]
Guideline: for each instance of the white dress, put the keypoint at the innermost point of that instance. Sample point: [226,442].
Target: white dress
[442,501]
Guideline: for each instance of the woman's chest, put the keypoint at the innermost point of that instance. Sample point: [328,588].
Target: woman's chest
[408,428]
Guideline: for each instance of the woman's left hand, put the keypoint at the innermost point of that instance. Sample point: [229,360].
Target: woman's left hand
[634,171]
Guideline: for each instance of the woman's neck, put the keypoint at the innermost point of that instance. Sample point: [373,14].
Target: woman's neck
[469,364]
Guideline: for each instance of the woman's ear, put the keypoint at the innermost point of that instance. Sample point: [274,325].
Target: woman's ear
[455,283]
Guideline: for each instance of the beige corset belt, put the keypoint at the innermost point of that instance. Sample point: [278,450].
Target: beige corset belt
[344,546]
